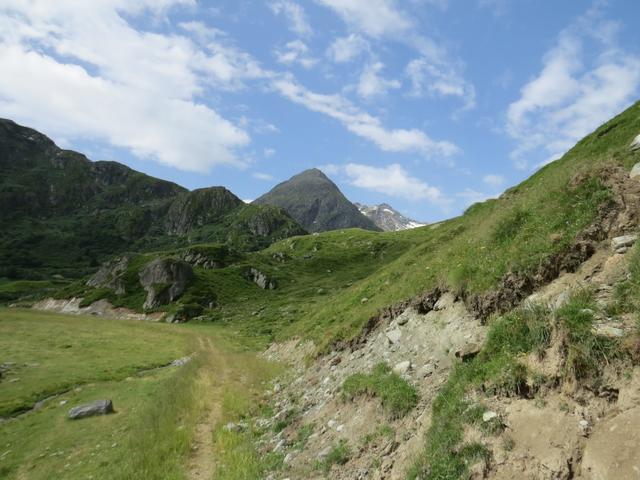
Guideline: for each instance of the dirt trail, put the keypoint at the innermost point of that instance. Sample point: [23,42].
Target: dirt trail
[202,463]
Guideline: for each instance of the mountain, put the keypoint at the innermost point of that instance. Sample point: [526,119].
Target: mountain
[62,213]
[387,218]
[316,203]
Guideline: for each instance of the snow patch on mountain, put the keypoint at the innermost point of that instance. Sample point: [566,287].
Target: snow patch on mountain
[387,218]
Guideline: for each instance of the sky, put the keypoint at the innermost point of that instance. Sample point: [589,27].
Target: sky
[428,105]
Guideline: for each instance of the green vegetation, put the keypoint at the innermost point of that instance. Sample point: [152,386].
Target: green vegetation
[397,395]
[339,454]
[157,409]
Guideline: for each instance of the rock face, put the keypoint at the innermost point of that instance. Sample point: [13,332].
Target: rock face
[260,279]
[99,407]
[387,218]
[110,274]
[316,203]
[198,208]
[164,280]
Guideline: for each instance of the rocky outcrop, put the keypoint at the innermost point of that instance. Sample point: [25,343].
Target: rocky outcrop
[110,274]
[261,279]
[635,145]
[100,308]
[164,280]
[99,407]
[198,208]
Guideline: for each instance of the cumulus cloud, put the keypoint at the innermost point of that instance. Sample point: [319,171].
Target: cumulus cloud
[269,152]
[372,84]
[376,18]
[434,77]
[295,51]
[391,180]
[295,15]
[109,81]
[345,49]
[586,78]
[363,124]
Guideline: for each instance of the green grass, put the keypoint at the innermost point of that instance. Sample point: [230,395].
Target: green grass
[397,396]
[54,353]
[339,454]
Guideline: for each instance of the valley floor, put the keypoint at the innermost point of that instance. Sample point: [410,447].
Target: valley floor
[168,420]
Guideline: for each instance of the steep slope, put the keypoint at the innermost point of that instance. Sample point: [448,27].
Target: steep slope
[387,218]
[64,214]
[316,203]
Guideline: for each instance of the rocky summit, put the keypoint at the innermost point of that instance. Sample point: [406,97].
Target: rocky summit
[387,218]
[316,203]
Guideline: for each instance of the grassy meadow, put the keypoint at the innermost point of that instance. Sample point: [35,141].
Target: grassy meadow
[75,360]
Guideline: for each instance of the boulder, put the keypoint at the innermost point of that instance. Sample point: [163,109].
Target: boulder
[260,279]
[164,280]
[99,407]
[402,367]
[625,241]
[635,145]
[394,335]
[635,171]
[111,273]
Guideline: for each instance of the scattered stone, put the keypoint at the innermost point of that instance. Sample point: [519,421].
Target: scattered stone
[364,300]
[609,331]
[402,367]
[625,241]
[635,145]
[332,423]
[391,447]
[63,402]
[394,335]
[280,445]
[427,370]
[562,300]
[180,361]
[340,428]
[489,415]
[260,279]
[336,361]
[402,320]
[99,407]
[467,352]
[324,453]
[288,458]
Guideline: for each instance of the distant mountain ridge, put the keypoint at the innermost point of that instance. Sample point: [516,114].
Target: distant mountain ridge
[387,218]
[316,203]
[62,213]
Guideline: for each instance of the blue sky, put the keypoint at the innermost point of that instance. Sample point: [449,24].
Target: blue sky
[429,105]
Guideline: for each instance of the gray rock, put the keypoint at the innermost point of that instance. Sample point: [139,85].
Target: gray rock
[324,453]
[99,407]
[232,427]
[261,279]
[402,367]
[489,415]
[111,273]
[467,352]
[623,241]
[426,370]
[180,361]
[562,300]
[394,335]
[608,331]
[635,171]
[164,280]
[635,145]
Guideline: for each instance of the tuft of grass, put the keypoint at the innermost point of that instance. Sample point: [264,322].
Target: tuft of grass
[339,455]
[302,437]
[587,352]
[397,395]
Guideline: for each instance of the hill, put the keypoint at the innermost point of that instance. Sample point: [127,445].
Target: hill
[316,203]
[64,214]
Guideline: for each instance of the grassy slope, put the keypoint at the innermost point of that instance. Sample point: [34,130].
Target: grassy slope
[150,435]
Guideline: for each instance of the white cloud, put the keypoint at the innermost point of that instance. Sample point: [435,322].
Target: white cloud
[494,180]
[345,49]
[262,176]
[363,124]
[269,152]
[391,180]
[376,18]
[295,52]
[438,79]
[371,84]
[469,196]
[295,15]
[133,89]
[580,86]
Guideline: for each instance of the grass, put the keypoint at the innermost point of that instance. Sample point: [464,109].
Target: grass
[339,454]
[54,353]
[398,397]
[151,434]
